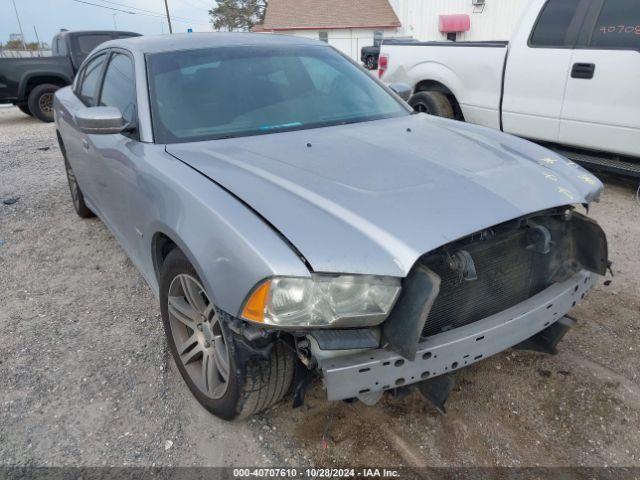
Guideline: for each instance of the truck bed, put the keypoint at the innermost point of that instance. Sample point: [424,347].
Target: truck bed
[12,70]
[476,84]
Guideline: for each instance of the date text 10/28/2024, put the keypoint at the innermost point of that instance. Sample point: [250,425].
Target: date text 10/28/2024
[316,473]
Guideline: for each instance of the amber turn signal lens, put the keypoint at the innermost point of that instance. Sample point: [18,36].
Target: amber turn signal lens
[254,308]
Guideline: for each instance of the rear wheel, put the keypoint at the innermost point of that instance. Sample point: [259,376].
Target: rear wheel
[226,382]
[24,108]
[433,103]
[40,101]
[76,194]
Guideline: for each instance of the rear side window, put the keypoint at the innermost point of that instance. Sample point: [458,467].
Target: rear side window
[552,27]
[86,43]
[118,89]
[618,25]
[90,77]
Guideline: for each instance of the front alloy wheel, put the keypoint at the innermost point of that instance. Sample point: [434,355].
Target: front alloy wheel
[198,337]
[227,382]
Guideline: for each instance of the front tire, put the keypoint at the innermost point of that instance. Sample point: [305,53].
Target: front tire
[226,380]
[40,101]
[433,103]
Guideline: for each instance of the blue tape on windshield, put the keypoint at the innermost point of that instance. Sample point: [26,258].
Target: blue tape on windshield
[282,125]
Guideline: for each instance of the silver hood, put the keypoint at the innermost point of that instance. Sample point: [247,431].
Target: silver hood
[373,197]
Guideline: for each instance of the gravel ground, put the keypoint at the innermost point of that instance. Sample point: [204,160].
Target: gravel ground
[86,378]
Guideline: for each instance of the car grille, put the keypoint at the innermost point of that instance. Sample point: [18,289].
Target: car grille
[506,272]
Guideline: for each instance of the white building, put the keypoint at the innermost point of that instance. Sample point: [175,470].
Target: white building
[492,20]
[350,25]
[347,25]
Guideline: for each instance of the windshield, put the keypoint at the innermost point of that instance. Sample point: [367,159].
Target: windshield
[236,91]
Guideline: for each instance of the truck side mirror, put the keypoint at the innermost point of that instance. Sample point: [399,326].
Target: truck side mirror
[100,120]
[402,90]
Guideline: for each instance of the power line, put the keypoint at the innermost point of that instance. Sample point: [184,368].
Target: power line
[144,10]
[104,6]
[149,14]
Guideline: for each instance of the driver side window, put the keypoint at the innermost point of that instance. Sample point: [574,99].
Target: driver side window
[88,87]
[119,89]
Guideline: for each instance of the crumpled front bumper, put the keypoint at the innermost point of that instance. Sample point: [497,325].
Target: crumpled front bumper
[366,373]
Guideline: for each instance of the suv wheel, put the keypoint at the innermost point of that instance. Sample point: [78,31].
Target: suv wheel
[40,101]
[227,382]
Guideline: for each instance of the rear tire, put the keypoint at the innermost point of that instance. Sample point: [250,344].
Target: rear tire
[40,101]
[433,103]
[253,382]
[77,198]
[24,108]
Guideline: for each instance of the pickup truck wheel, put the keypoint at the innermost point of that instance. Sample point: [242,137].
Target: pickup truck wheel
[24,108]
[227,383]
[40,101]
[433,103]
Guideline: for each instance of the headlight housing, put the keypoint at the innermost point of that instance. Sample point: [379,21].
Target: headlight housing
[322,301]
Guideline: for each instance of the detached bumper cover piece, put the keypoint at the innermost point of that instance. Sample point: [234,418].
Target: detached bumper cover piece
[377,370]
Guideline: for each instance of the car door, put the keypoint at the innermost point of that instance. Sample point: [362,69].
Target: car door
[601,109]
[120,154]
[77,144]
[537,67]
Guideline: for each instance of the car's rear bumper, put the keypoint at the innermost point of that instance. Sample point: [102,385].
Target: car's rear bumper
[366,373]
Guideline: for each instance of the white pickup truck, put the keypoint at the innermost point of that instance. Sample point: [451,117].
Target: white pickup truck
[569,77]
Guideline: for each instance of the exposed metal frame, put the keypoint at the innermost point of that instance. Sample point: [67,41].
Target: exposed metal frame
[365,373]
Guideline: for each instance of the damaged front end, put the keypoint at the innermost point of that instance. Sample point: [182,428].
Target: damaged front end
[468,300]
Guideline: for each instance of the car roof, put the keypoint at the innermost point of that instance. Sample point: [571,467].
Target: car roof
[189,41]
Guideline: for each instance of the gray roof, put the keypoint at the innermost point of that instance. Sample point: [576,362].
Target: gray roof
[187,41]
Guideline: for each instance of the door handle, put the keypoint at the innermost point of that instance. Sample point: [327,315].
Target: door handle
[85,144]
[583,70]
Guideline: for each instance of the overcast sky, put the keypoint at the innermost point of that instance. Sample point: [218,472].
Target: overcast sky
[49,16]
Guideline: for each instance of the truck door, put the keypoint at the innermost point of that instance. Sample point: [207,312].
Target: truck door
[601,107]
[537,67]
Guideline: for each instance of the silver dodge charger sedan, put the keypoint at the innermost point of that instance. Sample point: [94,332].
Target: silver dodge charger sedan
[296,219]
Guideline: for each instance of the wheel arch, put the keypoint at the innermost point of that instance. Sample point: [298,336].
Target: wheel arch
[434,76]
[30,80]
[163,241]
[436,86]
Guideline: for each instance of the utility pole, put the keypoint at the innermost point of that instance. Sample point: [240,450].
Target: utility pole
[166,6]
[38,40]
[115,25]
[19,24]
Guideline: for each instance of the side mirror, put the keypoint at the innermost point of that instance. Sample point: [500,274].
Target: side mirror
[402,90]
[100,120]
